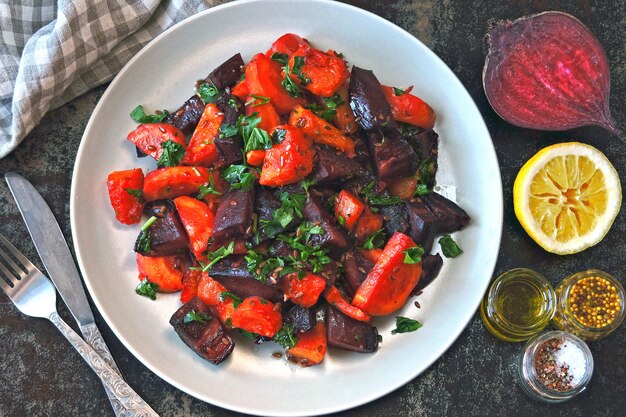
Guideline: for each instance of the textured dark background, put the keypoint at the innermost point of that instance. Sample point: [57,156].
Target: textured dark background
[40,376]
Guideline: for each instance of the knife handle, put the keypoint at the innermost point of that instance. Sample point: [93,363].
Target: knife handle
[92,336]
[109,377]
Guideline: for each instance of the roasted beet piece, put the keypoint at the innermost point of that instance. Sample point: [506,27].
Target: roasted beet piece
[300,318]
[392,156]
[229,148]
[450,216]
[423,224]
[346,333]
[233,218]
[208,339]
[334,166]
[232,272]
[330,272]
[334,236]
[431,265]
[355,267]
[396,218]
[368,101]
[427,144]
[186,118]
[167,235]
[228,73]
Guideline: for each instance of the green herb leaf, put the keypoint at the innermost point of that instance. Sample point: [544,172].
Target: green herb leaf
[172,154]
[427,171]
[227,295]
[257,100]
[228,131]
[207,189]
[278,135]
[413,255]
[290,209]
[405,325]
[288,83]
[140,116]
[286,337]
[144,242]
[201,318]
[239,176]
[218,255]
[375,240]
[148,223]
[208,92]
[341,220]
[421,190]
[147,289]
[449,247]
[280,58]
[398,91]
[135,193]
[376,199]
[305,184]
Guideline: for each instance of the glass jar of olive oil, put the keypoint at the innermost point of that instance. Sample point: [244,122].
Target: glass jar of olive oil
[519,304]
[590,304]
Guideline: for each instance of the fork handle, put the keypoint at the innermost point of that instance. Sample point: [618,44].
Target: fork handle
[111,379]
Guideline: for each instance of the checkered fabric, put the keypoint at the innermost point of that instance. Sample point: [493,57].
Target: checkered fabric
[51,52]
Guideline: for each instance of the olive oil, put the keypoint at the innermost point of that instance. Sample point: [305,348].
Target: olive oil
[518,305]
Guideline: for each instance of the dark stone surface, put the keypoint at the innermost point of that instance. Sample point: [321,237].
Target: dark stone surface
[41,375]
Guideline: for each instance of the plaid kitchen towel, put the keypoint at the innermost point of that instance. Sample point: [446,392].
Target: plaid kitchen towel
[51,52]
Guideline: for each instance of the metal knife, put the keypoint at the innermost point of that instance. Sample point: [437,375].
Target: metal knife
[56,257]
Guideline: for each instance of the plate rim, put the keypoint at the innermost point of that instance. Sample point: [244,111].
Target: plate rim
[73,201]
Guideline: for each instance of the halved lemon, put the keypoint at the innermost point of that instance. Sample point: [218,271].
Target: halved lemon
[567,196]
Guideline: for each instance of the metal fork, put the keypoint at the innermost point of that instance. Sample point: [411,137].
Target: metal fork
[34,295]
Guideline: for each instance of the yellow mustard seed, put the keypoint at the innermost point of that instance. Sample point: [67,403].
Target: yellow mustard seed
[594,301]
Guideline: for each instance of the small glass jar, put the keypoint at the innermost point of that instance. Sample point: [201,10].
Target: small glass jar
[571,358]
[518,305]
[590,304]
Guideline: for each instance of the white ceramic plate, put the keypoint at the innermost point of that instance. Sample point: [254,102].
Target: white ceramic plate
[162,75]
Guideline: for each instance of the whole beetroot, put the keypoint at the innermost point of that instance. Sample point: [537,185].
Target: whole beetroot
[548,72]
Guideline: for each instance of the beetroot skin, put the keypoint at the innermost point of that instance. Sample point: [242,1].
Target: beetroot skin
[548,72]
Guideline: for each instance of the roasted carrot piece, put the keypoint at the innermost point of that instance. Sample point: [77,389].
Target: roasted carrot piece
[311,346]
[348,209]
[263,78]
[173,182]
[410,109]
[372,254]
[344,117]
[320,131]
[198,222]
[209,291]
[257,315]
[317,71]
[303,291]
[286,44]
[290,160]
[403,187]
[219,185]
[240,90]
[337,299]
[165,271]
[389,284]
[149,138]
[368,223]
[201,150]
[126,194]
[191,279]
[255,157]
[265,110]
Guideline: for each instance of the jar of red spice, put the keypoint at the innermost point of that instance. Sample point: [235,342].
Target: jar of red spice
[555,366]
[590,304]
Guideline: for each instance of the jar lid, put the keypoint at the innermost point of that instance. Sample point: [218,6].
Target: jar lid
[555,366]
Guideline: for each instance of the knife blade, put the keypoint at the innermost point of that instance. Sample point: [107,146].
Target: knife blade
[57,259]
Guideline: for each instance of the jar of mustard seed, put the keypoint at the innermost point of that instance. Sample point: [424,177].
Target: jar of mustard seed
[590,304]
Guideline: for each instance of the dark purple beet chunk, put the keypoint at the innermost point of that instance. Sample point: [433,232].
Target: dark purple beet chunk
[333,236]
[368,101]
[392,156]
[229,148]
[228,73]
[232,272]
[332,166]
[186,118]
[300,318]
[167,234]
[344,332]
[233,218]
[427,142]
[450,216]
[355,267]
[396,218]
[431,266]
[423,224]
[208,340]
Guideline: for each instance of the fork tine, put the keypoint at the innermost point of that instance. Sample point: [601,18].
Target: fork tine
[27,265]
[5,286]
